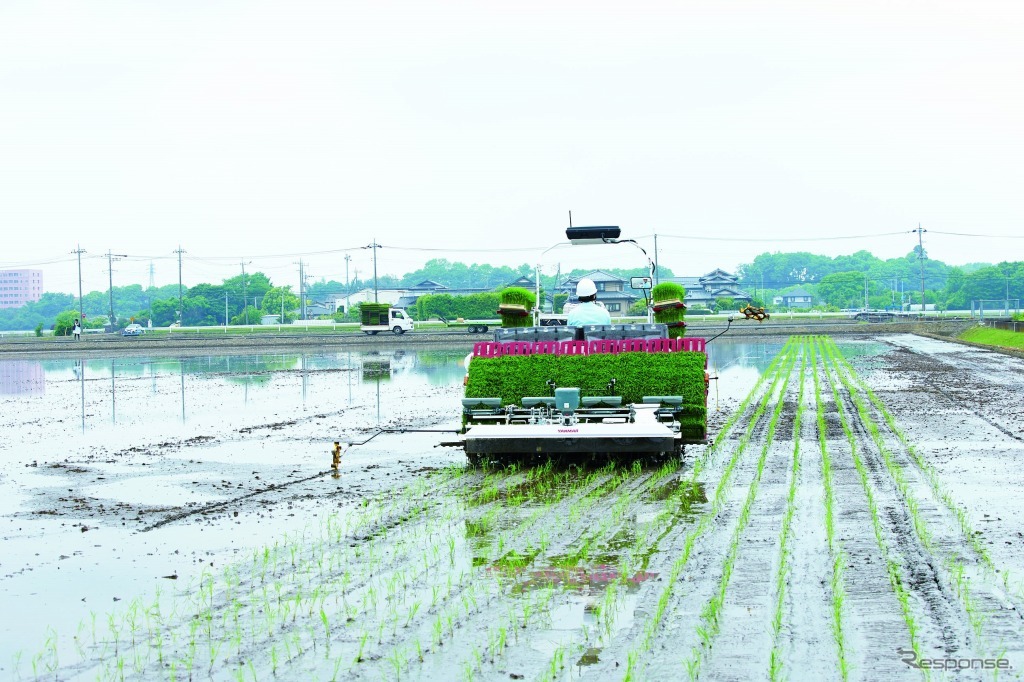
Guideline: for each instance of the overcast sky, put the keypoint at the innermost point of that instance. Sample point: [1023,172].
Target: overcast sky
[259,131]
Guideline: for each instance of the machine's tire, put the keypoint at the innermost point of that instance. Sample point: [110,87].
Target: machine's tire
[397,330]
[482,329]
[471,329]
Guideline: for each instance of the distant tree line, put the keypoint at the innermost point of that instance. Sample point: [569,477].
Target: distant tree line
[840,282]
[837,282]
[201,305]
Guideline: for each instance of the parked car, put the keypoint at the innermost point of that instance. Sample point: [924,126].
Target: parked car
[133,330]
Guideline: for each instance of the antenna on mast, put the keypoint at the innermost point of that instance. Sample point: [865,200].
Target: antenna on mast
[570,218]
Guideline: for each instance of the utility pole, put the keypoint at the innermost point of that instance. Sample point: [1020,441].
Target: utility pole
[110,272]
[152,271]
[348,289]
[866,306]
[376,246]
[920,255]
[225,310]
[181,309]
[245,296]
[302,291]
[81,306]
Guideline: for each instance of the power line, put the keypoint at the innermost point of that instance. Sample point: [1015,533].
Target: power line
[460,250]
[987,236]
[775,239]
[520,249]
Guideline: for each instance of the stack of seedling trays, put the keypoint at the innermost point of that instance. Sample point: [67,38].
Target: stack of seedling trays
[515,307]
[374,314]
[669,308]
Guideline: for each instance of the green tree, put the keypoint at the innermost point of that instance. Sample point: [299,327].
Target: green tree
[272,303]
[164,312]
[725,304]
[65,322]
[199,312]
[248,315]
[256,287]
[842,289]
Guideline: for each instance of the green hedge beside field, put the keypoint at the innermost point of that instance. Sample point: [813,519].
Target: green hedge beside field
[512,378]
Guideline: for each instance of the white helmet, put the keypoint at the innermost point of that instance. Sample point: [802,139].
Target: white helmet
[586,287]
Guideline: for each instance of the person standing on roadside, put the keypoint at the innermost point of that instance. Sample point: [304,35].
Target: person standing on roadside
[77,331]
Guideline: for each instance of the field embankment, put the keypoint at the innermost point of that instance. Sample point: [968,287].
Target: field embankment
[1001,338]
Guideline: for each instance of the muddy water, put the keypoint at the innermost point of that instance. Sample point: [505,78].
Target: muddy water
[124,476]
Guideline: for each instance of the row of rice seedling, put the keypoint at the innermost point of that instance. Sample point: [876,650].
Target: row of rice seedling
[600,521]
[444,622]
[536,611]
[704,521]
[523,607]
[783,569]
[601,517]
[631,562]
[278,607]
[837,558]
[710,616]
[581,491]
[527,602]
[955,569]
[894,568]
[972,536]
[285,579]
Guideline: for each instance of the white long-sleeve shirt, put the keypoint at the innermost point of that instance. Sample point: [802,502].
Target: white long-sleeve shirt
[588,313]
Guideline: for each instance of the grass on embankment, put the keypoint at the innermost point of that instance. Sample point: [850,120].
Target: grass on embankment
[994,337]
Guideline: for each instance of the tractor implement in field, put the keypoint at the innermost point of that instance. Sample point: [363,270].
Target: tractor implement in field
[624,390]
[583,431]
[637,391]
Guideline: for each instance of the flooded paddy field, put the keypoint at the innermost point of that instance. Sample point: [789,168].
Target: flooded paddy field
[857,516]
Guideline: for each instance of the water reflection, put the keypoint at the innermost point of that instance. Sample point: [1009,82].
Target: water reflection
[113,395]
[22,377]
[726,353]
[138,391]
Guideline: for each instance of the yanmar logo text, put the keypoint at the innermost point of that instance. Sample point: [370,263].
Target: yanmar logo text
[568,430]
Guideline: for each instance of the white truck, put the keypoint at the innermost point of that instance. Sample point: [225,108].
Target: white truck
[393,319]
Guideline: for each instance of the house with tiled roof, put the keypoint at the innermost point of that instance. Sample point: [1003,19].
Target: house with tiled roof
[704,290]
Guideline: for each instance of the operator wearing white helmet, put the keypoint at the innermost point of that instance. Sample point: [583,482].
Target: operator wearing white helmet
[589,311]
